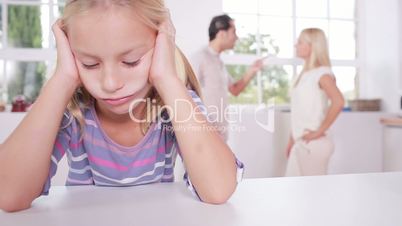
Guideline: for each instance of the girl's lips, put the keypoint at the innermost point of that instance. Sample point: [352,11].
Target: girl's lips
[118,101]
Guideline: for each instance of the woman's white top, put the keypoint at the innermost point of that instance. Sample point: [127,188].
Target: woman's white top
[309,103]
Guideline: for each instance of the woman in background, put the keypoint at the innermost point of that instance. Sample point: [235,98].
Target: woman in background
[315,104]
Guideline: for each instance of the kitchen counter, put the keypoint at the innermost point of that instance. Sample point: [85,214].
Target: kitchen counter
[392,145]
[392,121]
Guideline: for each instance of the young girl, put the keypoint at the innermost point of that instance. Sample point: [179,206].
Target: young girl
[309,147]
[114,58]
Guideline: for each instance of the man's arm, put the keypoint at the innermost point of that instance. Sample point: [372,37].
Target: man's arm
[237,87]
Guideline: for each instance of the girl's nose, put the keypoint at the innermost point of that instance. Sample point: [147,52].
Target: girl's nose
[111,81]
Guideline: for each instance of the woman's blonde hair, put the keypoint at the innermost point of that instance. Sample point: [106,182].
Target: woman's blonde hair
[319,56]
[152,13]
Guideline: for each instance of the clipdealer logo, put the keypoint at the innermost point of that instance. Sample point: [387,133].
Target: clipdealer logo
[217,115]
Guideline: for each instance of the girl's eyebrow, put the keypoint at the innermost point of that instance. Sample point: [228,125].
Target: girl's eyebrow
[140,50]
[83,53]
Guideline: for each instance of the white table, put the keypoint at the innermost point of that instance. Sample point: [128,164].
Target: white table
[341,200]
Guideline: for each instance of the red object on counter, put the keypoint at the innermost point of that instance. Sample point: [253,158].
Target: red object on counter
[19,104]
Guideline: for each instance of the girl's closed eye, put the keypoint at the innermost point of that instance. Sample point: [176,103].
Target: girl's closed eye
[132,64]
[128,63]
[90,66]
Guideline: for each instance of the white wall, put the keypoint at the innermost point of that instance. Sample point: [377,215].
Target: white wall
[8,122]
[191,19]
[379,21]
[253,145]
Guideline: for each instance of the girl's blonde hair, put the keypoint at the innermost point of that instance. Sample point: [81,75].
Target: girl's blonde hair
[319,48]
[152,13]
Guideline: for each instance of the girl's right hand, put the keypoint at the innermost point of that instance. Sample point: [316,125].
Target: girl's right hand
[66,65]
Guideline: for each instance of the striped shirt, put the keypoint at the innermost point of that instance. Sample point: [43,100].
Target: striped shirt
[98,160]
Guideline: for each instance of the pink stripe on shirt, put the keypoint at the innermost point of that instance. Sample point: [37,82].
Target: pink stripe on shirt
[113,165]
[102,162]
[144,162]
[60,148]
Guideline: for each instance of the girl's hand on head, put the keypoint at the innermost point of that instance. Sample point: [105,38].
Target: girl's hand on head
[163,60]
[65,59]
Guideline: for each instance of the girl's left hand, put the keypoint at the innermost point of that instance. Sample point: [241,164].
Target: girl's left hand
[163,60]
[312,135]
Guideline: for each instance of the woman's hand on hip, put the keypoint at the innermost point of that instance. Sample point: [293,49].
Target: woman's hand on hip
[289,147]
[66,65]
[312,135]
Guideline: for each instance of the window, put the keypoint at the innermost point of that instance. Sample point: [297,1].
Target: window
[270,27]
[27,52]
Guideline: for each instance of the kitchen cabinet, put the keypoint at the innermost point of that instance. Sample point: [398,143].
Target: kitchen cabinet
[392,144]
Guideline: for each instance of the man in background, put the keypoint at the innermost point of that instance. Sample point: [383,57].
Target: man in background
[211,72]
